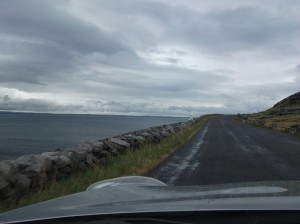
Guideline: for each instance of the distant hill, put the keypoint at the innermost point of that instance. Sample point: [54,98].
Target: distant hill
[289,105]
[283,116]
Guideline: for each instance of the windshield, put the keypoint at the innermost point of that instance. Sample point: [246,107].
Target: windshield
[190,93]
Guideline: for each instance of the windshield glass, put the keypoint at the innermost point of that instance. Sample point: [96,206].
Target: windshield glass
[187,92]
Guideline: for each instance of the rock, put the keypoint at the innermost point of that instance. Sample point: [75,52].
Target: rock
[23,183]
[51,155]
[8,170]
[87,147]
[170,129]
[43,179]
[138,138]
[6,190]
[80,155]
[82,165]
[157,136]
[66,170]
[61,161]
[40,165]
[115,152]
[165,133]
[294,129]
[55,160]
[25,161]
[90,160]
[119,142]
[103,154]
[135,140]
[145,135]
[97,147]
[73,159]
[46,163]
[9,192]
[3,183]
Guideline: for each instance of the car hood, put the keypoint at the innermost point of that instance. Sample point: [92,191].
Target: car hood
[140,194]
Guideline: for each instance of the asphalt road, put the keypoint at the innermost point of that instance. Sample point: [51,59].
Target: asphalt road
[229,151]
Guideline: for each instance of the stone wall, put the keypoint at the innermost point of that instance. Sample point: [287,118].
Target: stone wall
[31,171]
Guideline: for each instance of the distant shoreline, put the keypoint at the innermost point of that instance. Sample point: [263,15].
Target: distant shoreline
[75,114]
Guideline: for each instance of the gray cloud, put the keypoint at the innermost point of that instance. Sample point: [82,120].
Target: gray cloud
[34,105]
[44,40]
[225,30]
[147,57]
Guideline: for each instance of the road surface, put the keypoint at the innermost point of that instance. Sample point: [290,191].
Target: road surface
[228,151]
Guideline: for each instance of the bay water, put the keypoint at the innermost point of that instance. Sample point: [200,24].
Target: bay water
[31,133]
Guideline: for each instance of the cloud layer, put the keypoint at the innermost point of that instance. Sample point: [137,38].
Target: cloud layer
[147,57]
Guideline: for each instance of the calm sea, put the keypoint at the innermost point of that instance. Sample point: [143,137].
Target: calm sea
[28,133]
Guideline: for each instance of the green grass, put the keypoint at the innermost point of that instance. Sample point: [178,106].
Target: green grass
[135,162]
[276,122]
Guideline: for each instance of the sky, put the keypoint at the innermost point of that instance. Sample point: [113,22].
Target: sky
[148,57]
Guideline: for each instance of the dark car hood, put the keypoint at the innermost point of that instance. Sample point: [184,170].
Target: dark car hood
[138,198]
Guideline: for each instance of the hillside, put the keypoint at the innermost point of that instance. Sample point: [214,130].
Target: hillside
[287,106]
[283,116]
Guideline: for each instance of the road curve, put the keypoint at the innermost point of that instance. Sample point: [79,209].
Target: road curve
[227,151]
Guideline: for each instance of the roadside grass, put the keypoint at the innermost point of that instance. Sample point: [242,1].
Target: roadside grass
[277,122]
[284,121]
[135,162]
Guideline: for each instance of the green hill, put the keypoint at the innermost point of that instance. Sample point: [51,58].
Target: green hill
[283,116]
[287,106]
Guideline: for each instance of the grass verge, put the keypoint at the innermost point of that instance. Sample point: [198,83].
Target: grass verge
[135,162]
[280,123]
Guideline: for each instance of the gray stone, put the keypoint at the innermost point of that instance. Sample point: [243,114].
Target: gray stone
[90,160]
[183,125]
[119,142]
[165,133]
[7,167]
[138,138]
[82,165]
[51,154]
[108,146]
[61,161]
[46,163]
[145,134]
[8,170]
[114,153]
[8,192]
[3,183]
[156,134]
[97,147]
[88,147]
[43,179]
[65,169]
[23,182]
[170,129]
[25,161]
[103,154]
[82,154]
[42,164]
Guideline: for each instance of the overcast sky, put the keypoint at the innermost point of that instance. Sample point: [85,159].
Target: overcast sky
[148,57]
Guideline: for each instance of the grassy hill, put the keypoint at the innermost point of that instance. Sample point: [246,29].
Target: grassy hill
[283,116]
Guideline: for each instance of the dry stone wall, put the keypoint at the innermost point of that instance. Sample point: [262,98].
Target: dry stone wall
[30,171]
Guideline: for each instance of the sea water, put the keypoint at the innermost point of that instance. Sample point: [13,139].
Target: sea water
[31,133]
